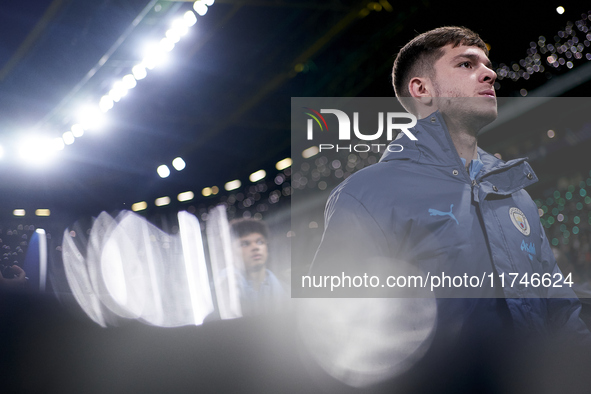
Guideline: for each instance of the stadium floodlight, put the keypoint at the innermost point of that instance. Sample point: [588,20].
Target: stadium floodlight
[58,144]
[283,164]
[162,201]
[106,103]
[189,18]
[19,212]
[42,212]
[173,35]
[36,150]
[200,7]
[206,191]
[139,72]
[128,82]
[180,25]
[163,171]
[90,117]
[77,130]
[178,164]
[166,44]
[232,185]
[257,176]
[68,138]
[185,196]
[139,206]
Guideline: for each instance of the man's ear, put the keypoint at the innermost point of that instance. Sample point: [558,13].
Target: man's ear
[421,90]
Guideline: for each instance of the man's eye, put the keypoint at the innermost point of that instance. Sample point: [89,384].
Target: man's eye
[466,64]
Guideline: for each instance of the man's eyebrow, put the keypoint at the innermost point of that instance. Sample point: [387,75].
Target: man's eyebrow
[472,57]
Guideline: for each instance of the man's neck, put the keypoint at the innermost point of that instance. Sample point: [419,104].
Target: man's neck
[257,277]
[464,140]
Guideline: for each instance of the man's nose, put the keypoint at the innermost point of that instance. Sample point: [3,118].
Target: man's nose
[488,75]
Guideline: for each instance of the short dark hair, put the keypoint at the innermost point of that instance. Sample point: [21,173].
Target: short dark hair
[243,227]
[418,56]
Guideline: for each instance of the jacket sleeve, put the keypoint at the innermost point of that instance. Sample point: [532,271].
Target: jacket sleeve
[563,305]
[353,243]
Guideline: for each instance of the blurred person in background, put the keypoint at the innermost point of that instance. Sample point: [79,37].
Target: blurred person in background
[260,290]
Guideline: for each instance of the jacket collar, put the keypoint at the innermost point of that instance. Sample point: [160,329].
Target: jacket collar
[434,147]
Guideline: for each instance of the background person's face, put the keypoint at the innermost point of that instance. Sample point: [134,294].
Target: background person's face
[253,249]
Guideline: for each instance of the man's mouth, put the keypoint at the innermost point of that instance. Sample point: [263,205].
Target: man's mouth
[488,93]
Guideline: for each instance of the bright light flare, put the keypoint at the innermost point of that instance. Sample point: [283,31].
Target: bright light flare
[189,18]
[163,171]
[128,82]
[91,118]
[233,185]
[560,10]
[173,35]
[106,103]
[68,138]
[180,26]
[139,72]
[42,212]
[166,44]
[179,164]
[18,212]
[77,130]
[378,338]
[58,144]
[206,192]
[200,8]
[36,150]
[155,55]
[257,176]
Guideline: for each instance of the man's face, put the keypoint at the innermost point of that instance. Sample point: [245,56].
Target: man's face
[253,248]
[463,84]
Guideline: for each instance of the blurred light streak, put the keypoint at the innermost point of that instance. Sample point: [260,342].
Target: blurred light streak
[194,258]
[206,192]
[79,281]
[18,212]
[223,265]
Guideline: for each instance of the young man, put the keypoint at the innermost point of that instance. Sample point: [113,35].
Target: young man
[260,290]
[446,207]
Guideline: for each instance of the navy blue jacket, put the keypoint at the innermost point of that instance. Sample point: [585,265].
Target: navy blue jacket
[420,206]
